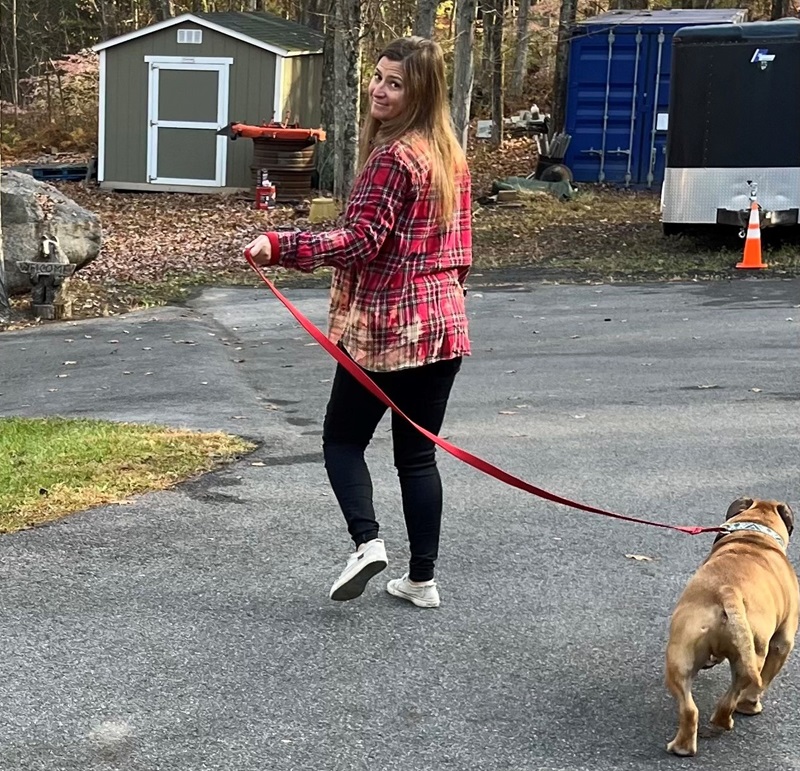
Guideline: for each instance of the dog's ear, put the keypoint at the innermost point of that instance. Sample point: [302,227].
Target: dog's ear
[787,515]
[738,506]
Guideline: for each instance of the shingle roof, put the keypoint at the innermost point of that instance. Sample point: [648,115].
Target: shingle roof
[268,28]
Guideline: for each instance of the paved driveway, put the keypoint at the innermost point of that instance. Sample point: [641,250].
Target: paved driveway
[191,629]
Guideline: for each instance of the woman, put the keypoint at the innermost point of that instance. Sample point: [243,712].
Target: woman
[396,308]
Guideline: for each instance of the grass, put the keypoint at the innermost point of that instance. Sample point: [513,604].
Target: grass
[612,234]
[52,467]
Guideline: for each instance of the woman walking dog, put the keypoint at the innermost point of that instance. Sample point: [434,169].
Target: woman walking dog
[397,307]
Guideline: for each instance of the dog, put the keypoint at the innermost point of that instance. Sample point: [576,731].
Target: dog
[740,605]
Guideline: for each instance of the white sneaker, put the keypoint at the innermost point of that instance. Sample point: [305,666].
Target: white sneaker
[422,595]
[368,560]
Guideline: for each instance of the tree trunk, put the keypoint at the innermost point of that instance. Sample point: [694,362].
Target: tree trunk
[566,21]
[780,9]
[426,17]
[326,106]
[5,307]
[313,14]
[486,15]
[160,9]
[463,71]
[521,54]
[497,71]
[346,93]
[15,52]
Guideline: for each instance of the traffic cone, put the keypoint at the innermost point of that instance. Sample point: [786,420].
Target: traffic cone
[752,243]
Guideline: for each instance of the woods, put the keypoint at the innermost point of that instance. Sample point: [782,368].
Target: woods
[503,56]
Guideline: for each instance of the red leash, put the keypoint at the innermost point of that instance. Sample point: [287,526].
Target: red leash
[467,457]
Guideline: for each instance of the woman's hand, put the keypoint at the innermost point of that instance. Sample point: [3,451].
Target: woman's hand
[260,250]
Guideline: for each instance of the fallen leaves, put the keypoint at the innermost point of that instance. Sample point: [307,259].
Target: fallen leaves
[638,557]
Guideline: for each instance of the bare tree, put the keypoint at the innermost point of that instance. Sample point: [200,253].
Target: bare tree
[426,17]
[566,21]
[495,22]
[5,307]
[781,9]
[346,93]
[313,13]
[161,9]
[463,69]
[324,153]
[486,15]
[15,51]
[523,43]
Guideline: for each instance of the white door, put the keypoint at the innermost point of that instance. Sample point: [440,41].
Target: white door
[187,105]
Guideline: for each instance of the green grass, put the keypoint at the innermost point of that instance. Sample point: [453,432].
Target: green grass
[52,467]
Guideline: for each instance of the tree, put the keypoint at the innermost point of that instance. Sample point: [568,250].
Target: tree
[161,9]
[523,42]
[5,308]
[494,19]
[346,93]
[426,17]
[463,70]
[566,21]
[781,9]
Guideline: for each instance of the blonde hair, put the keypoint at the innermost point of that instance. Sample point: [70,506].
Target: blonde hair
[426,113]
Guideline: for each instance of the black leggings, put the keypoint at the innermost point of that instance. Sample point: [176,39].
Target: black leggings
[350,421]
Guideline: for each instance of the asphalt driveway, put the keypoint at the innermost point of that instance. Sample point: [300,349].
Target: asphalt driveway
[191,629]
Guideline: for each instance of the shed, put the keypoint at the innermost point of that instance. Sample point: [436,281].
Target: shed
[618,92]
[167,89]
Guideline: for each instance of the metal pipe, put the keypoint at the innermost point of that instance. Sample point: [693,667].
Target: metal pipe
[652,164]
[602,175]
[633,106]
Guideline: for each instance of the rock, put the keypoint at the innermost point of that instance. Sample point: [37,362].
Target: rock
[33,210]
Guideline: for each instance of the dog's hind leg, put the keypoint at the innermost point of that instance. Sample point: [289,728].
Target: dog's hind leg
[742,682]
[780,646]
[746,663]
[680,674]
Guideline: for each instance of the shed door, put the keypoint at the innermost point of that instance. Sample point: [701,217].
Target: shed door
[187,105]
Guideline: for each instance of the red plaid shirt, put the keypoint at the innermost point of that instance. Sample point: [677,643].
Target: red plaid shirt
[397,295]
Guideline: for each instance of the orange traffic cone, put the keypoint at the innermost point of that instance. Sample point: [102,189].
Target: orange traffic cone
[752,243]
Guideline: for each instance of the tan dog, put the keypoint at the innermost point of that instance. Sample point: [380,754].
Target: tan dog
[741,605]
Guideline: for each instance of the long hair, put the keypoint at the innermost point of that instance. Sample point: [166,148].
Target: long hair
[426,113]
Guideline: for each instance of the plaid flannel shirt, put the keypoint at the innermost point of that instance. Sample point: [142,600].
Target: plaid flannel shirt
[397,294]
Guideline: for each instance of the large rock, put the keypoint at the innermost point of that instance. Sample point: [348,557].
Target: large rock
[34,210]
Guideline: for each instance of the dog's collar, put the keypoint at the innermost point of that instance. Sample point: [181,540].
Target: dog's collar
[756,527]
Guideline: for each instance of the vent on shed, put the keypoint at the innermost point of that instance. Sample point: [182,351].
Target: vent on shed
[190,36]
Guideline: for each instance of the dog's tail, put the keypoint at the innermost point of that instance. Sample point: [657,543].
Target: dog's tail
[741,634]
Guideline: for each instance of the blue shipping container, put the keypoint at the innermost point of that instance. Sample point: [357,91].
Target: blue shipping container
[618,92]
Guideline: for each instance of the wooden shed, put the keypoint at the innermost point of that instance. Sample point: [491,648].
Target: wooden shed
[166,90]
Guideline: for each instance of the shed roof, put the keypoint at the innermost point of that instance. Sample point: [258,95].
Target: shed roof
[269,28]
[261,29]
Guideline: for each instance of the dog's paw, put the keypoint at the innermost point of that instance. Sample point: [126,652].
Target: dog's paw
[749,707]
[722,722]
[684,750]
